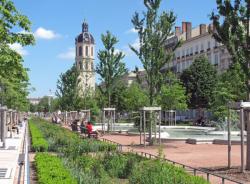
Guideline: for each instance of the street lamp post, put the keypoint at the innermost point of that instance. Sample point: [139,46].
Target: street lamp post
[49,100]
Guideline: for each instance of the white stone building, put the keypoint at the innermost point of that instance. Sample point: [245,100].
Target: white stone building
[85,48]
[196,42]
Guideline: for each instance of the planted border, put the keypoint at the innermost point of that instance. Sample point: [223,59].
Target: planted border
[39,144]
[106,165]
[50,170]
[68,142]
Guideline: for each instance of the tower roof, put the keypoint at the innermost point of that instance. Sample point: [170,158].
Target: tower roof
[85,36]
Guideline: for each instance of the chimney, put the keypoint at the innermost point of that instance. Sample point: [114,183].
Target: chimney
[184,27]
[210,28]
[202,29]
[177,31]
[189,30]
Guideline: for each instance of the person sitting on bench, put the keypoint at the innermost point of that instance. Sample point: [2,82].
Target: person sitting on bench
[89,128]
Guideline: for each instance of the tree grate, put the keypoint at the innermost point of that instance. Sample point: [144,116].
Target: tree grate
[3,172]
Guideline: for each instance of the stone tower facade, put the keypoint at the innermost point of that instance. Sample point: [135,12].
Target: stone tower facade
[85,48]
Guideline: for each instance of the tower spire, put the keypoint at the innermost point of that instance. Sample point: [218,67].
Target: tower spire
[85,26]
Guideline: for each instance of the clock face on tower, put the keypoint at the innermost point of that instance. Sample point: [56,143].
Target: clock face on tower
[86,39]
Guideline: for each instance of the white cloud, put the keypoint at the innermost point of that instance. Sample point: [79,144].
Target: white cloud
[46,34]
[68,55]
[126,49]
[132,30]
[19,49]
[136,44]
[118,50]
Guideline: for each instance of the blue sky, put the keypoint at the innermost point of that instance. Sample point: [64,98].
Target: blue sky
[56,23]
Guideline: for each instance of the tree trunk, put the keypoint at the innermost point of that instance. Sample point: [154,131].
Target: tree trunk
[248,113]
[248,133]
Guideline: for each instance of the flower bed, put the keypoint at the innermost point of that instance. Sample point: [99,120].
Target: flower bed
[68,142]
[50,170]
[39,144]
[93,161]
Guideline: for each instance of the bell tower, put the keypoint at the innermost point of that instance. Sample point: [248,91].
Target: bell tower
[85,48]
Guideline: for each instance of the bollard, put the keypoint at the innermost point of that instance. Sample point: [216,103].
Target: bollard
[3,125]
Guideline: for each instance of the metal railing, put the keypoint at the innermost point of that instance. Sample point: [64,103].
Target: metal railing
[190,169]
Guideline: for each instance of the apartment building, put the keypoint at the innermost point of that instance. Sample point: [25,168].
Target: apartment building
[196,42]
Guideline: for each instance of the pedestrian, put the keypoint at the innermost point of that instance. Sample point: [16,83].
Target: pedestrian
[89,128]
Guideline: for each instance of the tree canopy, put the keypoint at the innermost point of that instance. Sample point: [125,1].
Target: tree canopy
[13,76]
[110,68]
[200,80]
[154,28]
[173,95]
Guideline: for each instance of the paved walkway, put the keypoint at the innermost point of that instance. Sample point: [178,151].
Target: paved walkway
[9,157]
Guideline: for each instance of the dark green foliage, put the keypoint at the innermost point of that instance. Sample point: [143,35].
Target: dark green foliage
[134,97]
[172,95]
[50,170]
[67,90]
[230,87]
[110,68]
[200,80]
[13,76]
[155,171]
[231,22]
[121,165]
[153,29]
[39,144]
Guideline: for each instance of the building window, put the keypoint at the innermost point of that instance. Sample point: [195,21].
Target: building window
[81,66]
[178,54]
[86,51]
[92,51]
[208,45]
[183,53]
[76,51]
[92,66]
[215,44]
[196,49]
[216,59]
[86,65]
[202,47]
[191,51]
[187,52]
[80,51]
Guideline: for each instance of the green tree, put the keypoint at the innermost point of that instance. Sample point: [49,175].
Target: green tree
[110,68]
[153,29]
[13,76]
[200,80]
[135,97]
[231,87]
[118,95]
[231,23]
[67,90]
[172,95]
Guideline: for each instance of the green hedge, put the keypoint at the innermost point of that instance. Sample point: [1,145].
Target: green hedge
[68,142]
[156,171]
[39,144]
[50,170]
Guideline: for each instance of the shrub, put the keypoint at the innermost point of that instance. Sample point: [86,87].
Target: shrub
[50,170]
[63,140]
[120,164]
[155,171]
[39,144]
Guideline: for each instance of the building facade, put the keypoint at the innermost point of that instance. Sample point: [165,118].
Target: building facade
[34,101]
[196,42]
[85,48]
